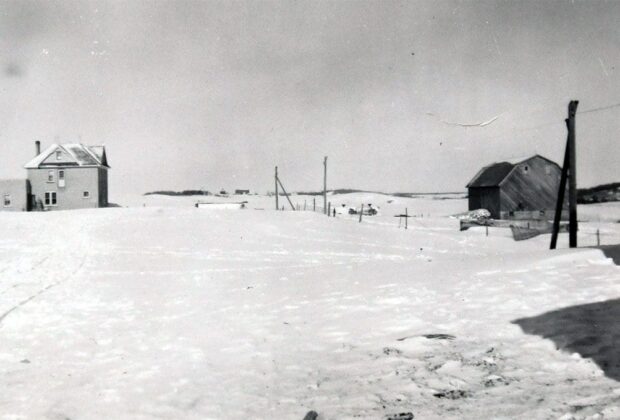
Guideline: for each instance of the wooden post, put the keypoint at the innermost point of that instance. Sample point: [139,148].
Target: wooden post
[329,207]
[406,218]
[487,228]
[572,180]
[313,204]
[559,206]
[325,185]
[304,205]
[276,178]
[598,237]
[286,195]
[361,212]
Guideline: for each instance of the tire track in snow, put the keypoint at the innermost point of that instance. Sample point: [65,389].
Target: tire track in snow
[35,265]
[43,290]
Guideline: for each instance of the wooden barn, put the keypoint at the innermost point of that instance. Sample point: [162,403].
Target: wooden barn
[524,188]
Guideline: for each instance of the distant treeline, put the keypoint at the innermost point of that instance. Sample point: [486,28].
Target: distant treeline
[316,193]
[177,193]
[599,194]
[398,194]
[337,191]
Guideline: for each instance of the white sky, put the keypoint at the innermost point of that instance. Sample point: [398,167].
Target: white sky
[215,94]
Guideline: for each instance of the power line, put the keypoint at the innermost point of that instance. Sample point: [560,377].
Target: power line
[547,124]
[600,108]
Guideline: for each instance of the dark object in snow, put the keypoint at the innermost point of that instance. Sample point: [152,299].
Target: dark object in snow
[390,350]
[439,336]
[452,394]
[25,361]
[401,416]
[311,415]
[430,337]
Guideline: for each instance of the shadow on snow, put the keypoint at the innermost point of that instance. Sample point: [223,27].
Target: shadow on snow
[611,251]
[592,330]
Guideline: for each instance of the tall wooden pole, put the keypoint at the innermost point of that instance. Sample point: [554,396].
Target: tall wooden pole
[277,206]
[325,185]
[572,180]
[559,207]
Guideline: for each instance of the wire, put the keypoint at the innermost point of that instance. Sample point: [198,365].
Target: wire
[599,109]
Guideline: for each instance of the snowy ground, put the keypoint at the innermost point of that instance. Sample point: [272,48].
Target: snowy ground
[167,311]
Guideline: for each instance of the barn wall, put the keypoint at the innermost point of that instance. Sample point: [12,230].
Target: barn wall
[485,198]
[531,186]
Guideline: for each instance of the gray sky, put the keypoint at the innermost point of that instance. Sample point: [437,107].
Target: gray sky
[214,94]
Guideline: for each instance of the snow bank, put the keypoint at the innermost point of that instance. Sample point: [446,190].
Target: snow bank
[174,312]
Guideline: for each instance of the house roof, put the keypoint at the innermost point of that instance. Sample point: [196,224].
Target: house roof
[493,175]
[80,155]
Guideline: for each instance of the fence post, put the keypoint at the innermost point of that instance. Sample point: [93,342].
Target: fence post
[329,207]
[361,212]
[304,205]
[406,217]
[598,237]
[313,204]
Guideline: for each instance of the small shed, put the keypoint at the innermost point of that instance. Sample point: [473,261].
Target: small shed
[524,188]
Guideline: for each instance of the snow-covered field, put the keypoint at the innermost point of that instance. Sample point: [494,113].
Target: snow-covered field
[163,310]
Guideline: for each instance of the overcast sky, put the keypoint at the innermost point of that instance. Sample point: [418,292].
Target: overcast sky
[207,94]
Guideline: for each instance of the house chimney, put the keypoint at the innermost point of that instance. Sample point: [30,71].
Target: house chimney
[37,147]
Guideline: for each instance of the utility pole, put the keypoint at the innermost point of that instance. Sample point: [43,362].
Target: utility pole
[569,173]
[277,206]
[325,185]
[559,207]
[572,180]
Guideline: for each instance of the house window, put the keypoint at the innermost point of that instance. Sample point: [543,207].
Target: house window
[61,178]
[58,155]
[7,200]
[86,194]
[50,198]
[50,176]
[525,168]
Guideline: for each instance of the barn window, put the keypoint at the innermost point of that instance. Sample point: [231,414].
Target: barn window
[525,168]
[50,176]
[50,198]
[7,200]
[86,194]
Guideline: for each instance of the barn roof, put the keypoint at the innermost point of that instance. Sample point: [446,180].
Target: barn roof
[492,175]
[81,155]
